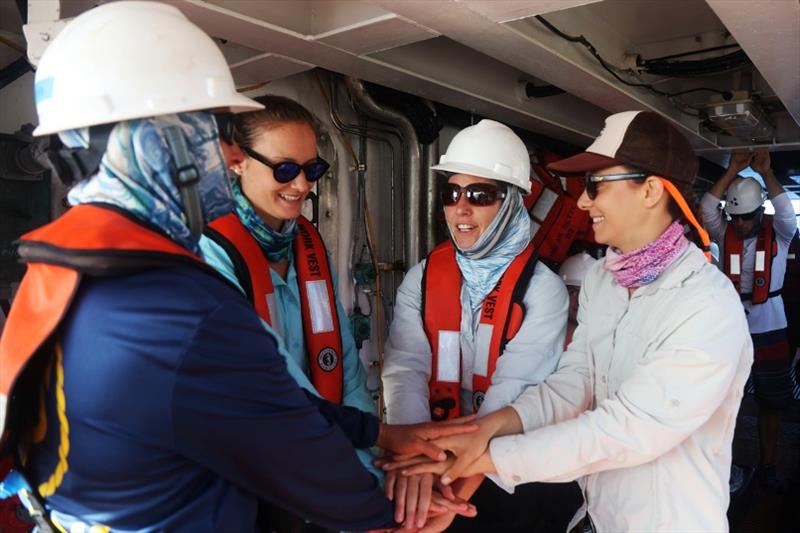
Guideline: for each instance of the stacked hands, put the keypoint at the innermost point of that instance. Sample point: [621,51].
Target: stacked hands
[431,484]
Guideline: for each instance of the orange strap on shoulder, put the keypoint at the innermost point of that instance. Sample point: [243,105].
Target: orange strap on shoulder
[256,266]
[501,318]
[441,318]
[318,306]
[684,207]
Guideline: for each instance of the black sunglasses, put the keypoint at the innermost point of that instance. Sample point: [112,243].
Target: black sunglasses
[286,171]
[479,194]
[745,216]
[226,126]
[591,180]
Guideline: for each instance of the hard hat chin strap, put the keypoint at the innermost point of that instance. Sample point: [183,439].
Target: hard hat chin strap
[186,178]
[74,164]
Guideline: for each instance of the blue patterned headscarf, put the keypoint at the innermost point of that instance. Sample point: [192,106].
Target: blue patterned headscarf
[275,244]
[483,263]
[136,172]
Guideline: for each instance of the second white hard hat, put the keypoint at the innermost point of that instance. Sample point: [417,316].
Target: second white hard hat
[127,60]
[491,150]
[744,195]
[574,269]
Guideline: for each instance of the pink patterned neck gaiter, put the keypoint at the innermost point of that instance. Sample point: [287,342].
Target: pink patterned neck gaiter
[644,265]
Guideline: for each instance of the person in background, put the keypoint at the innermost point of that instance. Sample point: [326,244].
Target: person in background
[643,404]
[754,250]
[138,390]
[475,324]
[572,271]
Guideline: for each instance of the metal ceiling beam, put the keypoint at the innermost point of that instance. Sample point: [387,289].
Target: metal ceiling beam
[270,38]
[528,46]
[769,32]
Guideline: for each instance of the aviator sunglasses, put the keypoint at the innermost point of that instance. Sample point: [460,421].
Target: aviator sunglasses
[286,171]
[592,180]
[479,194]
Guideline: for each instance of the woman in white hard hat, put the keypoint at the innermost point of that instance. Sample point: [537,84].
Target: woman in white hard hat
[476,323]
[644,402]
[139,390]
[572,271]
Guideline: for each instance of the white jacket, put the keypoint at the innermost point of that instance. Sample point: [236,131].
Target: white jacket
[527,359]
[643,405]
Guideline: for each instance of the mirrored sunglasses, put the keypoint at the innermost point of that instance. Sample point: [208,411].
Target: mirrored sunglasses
[286,171]
[478,194]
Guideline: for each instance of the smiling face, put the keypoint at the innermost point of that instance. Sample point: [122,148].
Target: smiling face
[619,216]
[277,202]
[467,222]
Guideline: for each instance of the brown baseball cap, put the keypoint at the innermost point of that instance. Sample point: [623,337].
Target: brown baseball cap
[641,139]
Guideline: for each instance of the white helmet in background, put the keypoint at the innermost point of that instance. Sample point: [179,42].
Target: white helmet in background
[491,150]
[128,60]
[574,269]
[744,195]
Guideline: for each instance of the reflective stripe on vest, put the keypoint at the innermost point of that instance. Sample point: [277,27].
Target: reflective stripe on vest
[321,328]
[501,317]
[766,249]
[87,238]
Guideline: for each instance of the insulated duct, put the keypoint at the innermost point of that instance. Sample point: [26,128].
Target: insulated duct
[412,175]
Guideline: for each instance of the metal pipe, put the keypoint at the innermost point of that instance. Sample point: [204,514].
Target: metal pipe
[369,132]
[411,167]
[430,187]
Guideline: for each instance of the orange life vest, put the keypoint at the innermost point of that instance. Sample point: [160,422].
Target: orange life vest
[501,317]
[86,240]
[557,221]
[321,327]
[766,249]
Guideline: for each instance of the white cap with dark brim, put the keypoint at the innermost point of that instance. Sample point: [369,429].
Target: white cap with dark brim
[640,139]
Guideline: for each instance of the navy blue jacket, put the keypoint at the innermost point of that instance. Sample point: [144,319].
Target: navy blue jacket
[178,414]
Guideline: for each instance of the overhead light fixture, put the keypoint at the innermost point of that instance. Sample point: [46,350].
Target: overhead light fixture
[741,117]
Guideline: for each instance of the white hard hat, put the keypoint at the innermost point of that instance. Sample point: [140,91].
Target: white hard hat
[574,268]
[489,150]
[744,195]
[127,60]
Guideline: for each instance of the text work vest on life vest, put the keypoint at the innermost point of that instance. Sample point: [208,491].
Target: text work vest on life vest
[501,317]
[321,328]
[766,249]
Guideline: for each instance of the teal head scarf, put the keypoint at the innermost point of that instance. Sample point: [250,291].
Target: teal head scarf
[136,172]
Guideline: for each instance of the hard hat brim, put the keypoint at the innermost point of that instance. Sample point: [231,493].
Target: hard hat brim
[235,103]
[475,170]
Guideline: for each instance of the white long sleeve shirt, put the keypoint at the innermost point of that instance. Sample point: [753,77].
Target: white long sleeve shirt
[643,405]
[528,358]
[770,315]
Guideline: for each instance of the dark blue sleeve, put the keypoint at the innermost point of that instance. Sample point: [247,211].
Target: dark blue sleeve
[237,411]
[360,427]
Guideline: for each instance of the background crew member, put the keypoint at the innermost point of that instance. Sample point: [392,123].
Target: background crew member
[757,271]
